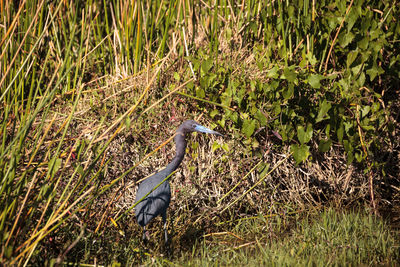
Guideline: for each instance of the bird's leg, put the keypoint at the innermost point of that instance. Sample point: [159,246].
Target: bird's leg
[164,217]
[165,232]
[144,234]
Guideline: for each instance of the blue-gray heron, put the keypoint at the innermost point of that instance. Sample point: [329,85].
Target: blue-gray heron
[157,202]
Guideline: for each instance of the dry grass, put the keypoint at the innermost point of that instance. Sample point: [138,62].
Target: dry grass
[212,192]
[205,176]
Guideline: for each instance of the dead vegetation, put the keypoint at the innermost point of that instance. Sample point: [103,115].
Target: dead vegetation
[207,175]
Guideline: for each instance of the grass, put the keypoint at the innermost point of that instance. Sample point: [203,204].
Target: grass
[322,238]
[92,91]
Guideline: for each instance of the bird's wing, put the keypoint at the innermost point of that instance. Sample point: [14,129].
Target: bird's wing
[156,203]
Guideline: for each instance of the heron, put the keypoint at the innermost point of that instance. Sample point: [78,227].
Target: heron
[157,202]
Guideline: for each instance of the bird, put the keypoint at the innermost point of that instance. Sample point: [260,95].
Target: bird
[157,202]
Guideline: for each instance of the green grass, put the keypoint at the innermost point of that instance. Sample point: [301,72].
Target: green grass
[329,238]
[90,90]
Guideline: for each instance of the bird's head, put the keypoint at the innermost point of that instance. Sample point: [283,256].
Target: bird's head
[192,126]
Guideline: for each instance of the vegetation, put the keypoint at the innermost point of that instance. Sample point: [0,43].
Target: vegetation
[306,93]
[332,238]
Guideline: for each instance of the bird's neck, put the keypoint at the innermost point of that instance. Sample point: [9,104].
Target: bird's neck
[180,144]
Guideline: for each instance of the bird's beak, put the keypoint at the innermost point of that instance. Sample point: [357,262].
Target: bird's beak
[203,129]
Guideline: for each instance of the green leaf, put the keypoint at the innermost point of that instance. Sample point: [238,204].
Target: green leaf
[347,146]
[324,145]
[345,84]
[376,106]
[291,12]
[300,153]
[225,147]
[195,145]
[54,165]
[351,19]
[221,122]
[350,157]
[323,111]
[363,44]
[263,169]
[261,118]
[196,63]
[365,110]
[276,107]
[273,73]
[206,65]
[233,116]
[356,69]
[340,132]
[214,113]
[190,85]
[358,156]
[311,58]
[303,135]
[228,34]
[345,39]
[177,76]
[368,127]
[375,34]
[248,127]
[361,80]
[253,27]
[215,146]
[8,251]
[128,123]
[200,92]
[288,93]
[211,81]
[46,190]
[80,169]
[374,71]
[328,131]
[351,56]
[289,74]
[226,100]
[314,81]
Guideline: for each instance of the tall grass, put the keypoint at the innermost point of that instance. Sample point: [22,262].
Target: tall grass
[50,53]
[57,55]
[327,238]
